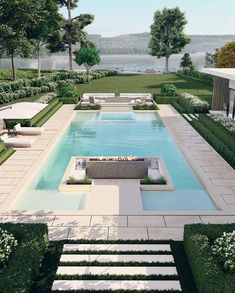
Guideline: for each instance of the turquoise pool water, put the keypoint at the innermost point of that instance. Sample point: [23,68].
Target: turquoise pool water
[116,134]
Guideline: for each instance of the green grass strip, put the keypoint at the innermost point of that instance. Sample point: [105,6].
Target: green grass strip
[117,277]
[117,252]
[116,264]
[5,154]
[120,291]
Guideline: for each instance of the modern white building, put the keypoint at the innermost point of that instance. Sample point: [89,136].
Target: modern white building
[224,89]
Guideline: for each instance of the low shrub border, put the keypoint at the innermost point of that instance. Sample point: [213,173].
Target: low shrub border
[164,99]
[95,107]
[215,142]
[48,115]
[25,260]
[208,275]
[193,104]
[5,154]
[69,100]
[178,107]
[143,107]
[227,137]
[196,75]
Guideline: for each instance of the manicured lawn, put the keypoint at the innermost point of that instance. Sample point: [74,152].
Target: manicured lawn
[146,83]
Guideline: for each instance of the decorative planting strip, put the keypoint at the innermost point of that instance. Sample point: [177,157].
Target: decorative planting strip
[116,264]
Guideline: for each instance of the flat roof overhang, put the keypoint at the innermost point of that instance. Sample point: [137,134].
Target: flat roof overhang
[227,73]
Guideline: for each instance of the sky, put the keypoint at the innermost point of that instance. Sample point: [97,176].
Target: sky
[116,17]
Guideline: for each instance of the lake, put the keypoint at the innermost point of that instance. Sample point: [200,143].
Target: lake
[132,63]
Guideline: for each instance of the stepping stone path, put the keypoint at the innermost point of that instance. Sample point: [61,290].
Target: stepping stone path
[101,262]
[190,117]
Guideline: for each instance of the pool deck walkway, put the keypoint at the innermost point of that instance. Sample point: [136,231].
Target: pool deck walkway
[212,170]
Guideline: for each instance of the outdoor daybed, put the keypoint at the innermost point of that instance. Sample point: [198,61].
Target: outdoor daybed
[28,130]
[18,141]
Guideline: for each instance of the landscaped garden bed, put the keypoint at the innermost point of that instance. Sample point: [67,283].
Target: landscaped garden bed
[24,261]
[148,181]
[204,251]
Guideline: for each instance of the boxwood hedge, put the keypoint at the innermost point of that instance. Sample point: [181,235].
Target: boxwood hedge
[215,142]
[5,154]
[25,261]
[208,275]
[219,131]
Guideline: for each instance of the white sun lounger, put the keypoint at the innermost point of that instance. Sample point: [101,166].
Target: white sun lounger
[28,130]
[18,141]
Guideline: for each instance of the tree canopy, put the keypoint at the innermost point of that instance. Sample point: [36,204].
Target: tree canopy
[167,33]
[87,56]
[13,30]
[226,56]
[186,61]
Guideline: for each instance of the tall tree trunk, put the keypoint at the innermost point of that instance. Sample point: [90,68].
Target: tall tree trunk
[39,60]
[70,45]
[167,64]
[13,67]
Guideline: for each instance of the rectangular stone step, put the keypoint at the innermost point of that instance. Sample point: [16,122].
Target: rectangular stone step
[89,270]
[116,258]
[97,285]
[187,117]
[117,247]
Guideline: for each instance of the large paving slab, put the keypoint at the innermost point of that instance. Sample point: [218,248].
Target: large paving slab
[117,258]
[96,285]
[117,247]
[112,270]
[130,233]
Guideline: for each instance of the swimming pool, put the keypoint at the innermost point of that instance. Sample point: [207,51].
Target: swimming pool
[116,134]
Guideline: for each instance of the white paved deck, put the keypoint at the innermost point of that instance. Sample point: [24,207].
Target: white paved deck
[213,171]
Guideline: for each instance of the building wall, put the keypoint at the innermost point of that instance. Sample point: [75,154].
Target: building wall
[220,97]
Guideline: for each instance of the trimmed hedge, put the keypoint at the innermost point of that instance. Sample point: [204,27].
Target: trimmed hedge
[5,154]
[208,275]
[196,75]
[215,142]
[193,104]
[145,107]
[178,107]
[48,115]
[2,146]
[164,99]
[69,100]
[95,107]
[219,131]
[25,261]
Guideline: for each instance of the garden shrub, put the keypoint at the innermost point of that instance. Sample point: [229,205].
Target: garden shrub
[5,154]
[25,260]
[29,87]
[215,142]
[226,122]
[7,245]
[208,274]
[46,98]
[225,136]
[69,100]
[192,104]
[169,90]
[224,249]
[196,75]
[67,90]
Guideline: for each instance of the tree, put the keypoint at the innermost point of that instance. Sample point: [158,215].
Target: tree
[226,57]
[72,31]
[50,22]
[186,61]
[167,34]
[16,17]
[87,56]
[210,58]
